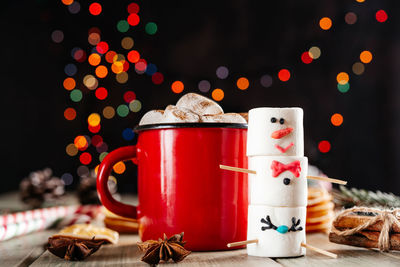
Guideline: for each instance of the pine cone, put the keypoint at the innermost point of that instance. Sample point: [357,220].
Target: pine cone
[40,187]
[87,190]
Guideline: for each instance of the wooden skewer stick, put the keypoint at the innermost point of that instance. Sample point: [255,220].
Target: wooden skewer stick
[321,251]
[335,181]
[229,168]
[241,243]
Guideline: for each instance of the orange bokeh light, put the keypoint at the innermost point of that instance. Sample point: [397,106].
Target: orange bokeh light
[342,78]
[325,23]
[117,67]
[242,83]
[119,167]
[217,94]
[337,119]
[94,59]
[69,83]
[80,142]
[110,56]
[94,119]
[177,87]
[101,71]
[67,2]
[366,56]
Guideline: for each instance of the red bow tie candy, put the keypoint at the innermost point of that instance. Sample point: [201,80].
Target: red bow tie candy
[277,168]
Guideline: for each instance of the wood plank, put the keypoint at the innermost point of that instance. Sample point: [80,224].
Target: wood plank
[127,253]
[347,255]
[23,250]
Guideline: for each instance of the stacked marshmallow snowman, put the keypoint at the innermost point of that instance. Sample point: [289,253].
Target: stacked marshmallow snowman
[278,190]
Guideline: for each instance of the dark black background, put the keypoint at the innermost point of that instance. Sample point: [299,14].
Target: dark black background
[251,38]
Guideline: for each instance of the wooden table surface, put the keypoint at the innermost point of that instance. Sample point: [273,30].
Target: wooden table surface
[29,251]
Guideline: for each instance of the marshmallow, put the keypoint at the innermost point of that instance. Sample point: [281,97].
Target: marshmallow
[199,104]
[152,117]
[279,182]
[227,117]
[245,115]
[174,114]
[275,132]
[276,231]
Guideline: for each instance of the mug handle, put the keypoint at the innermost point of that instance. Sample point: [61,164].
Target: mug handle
[115,156]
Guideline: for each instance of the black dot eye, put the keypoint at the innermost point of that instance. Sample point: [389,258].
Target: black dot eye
[282,121]
[273,119]
[286,181]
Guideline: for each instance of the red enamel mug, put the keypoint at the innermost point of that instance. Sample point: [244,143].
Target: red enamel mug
[180,185]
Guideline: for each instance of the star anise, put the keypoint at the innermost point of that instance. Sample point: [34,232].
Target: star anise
[164,249]
[73,249]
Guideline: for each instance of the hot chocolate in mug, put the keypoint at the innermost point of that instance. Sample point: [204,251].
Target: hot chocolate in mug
[180,185]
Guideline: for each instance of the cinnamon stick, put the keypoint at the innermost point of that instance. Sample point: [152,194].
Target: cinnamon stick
[361,240]
[352,221]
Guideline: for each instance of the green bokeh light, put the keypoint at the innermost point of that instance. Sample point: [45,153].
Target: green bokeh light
[122,110]
[343,88]
[76,95]
[151,28]
[102,156]
[122,26]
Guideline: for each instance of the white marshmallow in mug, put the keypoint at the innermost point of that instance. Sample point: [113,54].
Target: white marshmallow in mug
[275,132]
[279,182]
[152,117]
[279,231]
[173,114]
[199,104]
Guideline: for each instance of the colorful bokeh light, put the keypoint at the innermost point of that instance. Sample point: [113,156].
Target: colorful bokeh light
[325,23]
[95,9]
[381,16]
[217,94]
[366,57]
[284,75]
[324,146]
[177,87]
[337,119]
[342,78]
[242,83]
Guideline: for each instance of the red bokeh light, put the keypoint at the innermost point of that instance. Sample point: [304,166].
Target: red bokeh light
[133,8]
[133,56]
[85,158]
[133,19]
[284,75]
[97,140]
[94,129]
[101,93]
[102,47]
[129,96]
[157,78]
[305,57]
[141,65]
[95,9]
[125,66]
[324,146]
[381,15]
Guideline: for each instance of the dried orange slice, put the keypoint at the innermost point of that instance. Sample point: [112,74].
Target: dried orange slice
[88,232]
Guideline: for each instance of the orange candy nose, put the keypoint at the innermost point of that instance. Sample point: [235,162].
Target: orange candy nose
[281,133]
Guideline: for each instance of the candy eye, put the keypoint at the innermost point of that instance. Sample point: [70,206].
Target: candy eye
[286,181]
[273,119]
[282,121]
